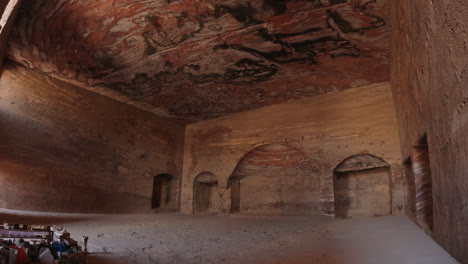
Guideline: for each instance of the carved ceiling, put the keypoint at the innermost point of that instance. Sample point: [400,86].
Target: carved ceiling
[195,60]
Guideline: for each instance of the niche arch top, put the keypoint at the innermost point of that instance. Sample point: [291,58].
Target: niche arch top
[206,177]
[361,162]
[278,155]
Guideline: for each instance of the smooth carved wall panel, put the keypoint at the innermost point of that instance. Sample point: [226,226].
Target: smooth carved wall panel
[195,60]
[327,129]
[205,193]
[64,149]
[363,193]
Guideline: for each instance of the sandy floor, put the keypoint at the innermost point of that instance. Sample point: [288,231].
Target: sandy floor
[176,238]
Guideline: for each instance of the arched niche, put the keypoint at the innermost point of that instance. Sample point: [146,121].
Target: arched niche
[275,179]
[163,188]
[205,193]
[361,186]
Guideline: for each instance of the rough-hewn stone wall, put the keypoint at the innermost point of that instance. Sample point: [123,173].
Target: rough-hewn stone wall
[65,149]
[429,80]
[327,129]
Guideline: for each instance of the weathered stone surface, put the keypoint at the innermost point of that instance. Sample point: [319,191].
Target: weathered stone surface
[429,79]
[195,60]
[275,179]
[327,129]
[64,149]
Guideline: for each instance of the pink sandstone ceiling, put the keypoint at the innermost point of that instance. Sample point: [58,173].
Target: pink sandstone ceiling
[195,60]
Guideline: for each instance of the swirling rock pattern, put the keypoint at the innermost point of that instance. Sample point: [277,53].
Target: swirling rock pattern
[196,60]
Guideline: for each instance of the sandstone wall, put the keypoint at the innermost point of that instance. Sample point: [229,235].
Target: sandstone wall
[326,129]
[65,149]
[429,80]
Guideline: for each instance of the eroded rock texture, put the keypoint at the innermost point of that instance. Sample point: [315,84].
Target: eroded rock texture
[196,60]
[276,179]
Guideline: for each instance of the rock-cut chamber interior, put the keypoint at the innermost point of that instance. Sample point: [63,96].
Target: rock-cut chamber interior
[233,131]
